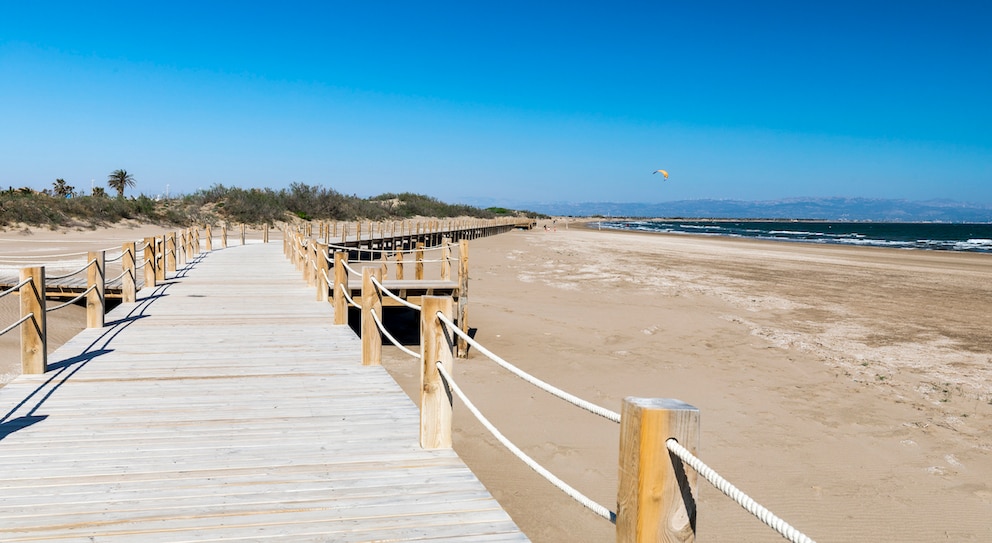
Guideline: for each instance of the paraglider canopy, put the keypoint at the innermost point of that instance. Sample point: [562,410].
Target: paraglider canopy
[662,172]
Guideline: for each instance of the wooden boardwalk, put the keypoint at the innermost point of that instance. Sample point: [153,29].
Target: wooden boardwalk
[225,406]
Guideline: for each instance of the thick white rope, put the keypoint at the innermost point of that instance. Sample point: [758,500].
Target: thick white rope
[15,325]
[70,302]
[390,337]
[348,297]
[561,485]
[16,287]
[387,292]
[116,258]
[84,268]
[550,389]
[390,251]
[745,501]
[123,273]
[351,270]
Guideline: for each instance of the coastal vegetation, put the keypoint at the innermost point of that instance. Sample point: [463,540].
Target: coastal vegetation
[62,207]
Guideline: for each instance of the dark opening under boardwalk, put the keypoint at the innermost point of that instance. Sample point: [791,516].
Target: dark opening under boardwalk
[225,406]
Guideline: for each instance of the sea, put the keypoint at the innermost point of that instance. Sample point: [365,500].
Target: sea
[964,237]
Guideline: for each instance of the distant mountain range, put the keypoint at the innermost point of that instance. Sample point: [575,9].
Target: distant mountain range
[832,209]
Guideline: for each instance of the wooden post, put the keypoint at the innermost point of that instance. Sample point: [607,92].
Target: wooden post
[223,236]
[243,230]
[435,400]
[418,268]
[172,256]
[160,259]
[34,331]
[399,264]
[265,233]
[656,494]
[129,290]
[96,279]
[463,296]
[371,303]
[210,239]
[149,262]
[340,281]
[446,259]
[322,269]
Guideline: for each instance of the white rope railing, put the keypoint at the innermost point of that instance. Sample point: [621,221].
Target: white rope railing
[347,296]
[16,324]
[550,389]
[745,501]
[390,251]
[16,287]
[551,478]
[389,293]
[84,268]
[116,258]
[72,301]
[121,276]
[382,328]
[350,270]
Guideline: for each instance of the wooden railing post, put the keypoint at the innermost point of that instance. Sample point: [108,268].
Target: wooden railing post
[210,239]
[371,304]
[129,281]
[223,236]
[446,259]
[96,280]
[418,268]
[149,262]
[322,268]
[435,400]
[463,296]
[34,331]
[172,254]
[160,259]
[399,264]
[243,230]
[656,494]
[340,281]
[265,233]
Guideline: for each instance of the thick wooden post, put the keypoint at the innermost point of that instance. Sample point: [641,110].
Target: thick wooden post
[322,268]
[223,236]
[149,262]
[418,268]
[129,290]
[210,239]
[435,400]
[34,331]
[340,281]
[265,233]
[96,281]
[243,231]
[657,494]
[463,296]
[160,259]
[371,304]
[399,264]
[446,259]
[171,255]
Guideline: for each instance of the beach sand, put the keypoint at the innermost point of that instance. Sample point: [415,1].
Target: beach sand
[846,389]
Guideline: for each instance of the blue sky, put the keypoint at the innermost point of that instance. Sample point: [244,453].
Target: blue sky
[504,101]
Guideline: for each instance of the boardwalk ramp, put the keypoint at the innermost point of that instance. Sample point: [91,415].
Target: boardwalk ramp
[225,406]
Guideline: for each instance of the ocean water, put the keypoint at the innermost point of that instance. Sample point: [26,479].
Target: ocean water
[928,236]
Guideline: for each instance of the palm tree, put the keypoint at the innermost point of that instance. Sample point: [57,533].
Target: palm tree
[99,192]
[62,189]
[120,180]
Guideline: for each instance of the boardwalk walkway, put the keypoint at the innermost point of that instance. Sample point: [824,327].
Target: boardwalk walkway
[225,406]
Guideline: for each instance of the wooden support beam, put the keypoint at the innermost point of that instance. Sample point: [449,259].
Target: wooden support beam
[96,281]
[371,304]
[435,398]
[340,279]
[129,281]
[34,331]
[150,262]
[463,296]
[656,495]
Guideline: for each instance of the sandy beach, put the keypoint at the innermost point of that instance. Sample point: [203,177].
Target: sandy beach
[846,389]
[849,390]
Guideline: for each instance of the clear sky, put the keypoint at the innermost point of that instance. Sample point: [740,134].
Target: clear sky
[510,101]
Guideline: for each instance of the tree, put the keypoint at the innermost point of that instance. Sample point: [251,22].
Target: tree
[99,192]
[120,180]
[63,189]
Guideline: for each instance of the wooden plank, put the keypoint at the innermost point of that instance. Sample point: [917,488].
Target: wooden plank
[227,406]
